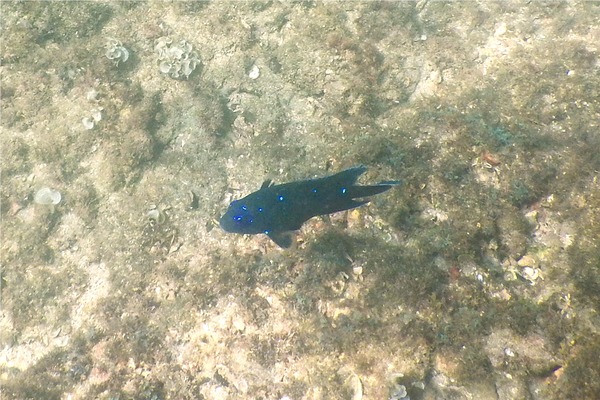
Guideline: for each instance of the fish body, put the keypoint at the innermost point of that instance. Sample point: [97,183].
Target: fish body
[276,210]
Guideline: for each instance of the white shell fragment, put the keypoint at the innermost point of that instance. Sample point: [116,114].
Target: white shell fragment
[47,196]
[530,274]
[97,114]
[88,123]
[254,72]
[164,67]
[399,392]
[153,214]
[116,51]
[92,95]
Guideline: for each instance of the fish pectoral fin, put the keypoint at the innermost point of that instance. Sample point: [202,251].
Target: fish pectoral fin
[266,183]
[282,239]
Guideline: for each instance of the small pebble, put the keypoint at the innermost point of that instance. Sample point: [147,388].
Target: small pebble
[92,95]
[526,261]
[254,72]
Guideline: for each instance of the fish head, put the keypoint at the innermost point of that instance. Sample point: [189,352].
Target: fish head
[241,218]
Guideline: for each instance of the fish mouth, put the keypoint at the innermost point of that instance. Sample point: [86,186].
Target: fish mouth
[229,225]
[223,223]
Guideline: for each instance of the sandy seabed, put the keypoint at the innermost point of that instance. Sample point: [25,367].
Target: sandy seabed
[477,278]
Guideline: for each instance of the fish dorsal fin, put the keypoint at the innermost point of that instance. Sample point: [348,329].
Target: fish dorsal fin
[266,183]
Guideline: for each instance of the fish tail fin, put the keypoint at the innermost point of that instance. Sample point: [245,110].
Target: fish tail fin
[366,191]
[350,175]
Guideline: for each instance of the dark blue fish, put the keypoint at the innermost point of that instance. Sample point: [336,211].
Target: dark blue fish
[276,210]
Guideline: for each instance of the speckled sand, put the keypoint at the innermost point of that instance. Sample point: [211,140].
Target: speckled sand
[478,278]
